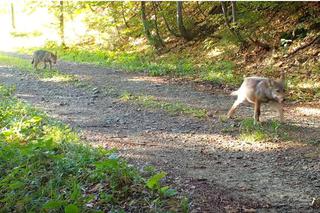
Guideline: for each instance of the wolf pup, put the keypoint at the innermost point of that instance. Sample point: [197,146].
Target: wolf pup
[44,57]
[259,90]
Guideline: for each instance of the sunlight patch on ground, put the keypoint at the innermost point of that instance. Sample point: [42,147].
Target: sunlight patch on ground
[5,75]
[148,79]
[24,95]
[57,79]
[309,85]
[219,141]
[309,111]
[215,52]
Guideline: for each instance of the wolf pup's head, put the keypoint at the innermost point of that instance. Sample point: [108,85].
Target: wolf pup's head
[277,88]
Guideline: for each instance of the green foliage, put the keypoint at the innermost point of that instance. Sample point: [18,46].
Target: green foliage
[185,205]
[45,167]
[221,72]
[71,208]
[251,132]
[154,181]
[172,108]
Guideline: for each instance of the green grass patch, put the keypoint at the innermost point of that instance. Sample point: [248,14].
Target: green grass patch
[221,72]
[26,66]
[45,167]
[177,108]
[267,131]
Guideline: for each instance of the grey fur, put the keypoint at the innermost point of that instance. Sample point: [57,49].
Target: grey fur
[43,56]
[259,90]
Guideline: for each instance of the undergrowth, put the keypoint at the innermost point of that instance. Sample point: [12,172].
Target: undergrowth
[45,167]
[266,131]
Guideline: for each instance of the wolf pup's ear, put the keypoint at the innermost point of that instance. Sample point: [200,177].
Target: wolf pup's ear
[281,80]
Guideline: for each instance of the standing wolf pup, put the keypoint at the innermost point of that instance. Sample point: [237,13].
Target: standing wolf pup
[44,57]
[259,90]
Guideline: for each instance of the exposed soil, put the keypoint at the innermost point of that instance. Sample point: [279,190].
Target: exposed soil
[212,166]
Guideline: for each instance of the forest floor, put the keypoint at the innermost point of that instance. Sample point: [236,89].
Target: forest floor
[204,157]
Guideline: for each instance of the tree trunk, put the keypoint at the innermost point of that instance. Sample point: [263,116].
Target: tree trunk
[231,29]
[61,24]
[169,28]
[168,25]
[225,12]
[124,17]
[234,11]
[183,32]
[152,40]
[13,20]
[145,22]
[159,39]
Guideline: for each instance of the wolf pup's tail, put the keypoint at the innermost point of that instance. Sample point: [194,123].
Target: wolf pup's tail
[32,61]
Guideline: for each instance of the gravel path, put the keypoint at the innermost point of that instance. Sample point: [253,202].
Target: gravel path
[212,166]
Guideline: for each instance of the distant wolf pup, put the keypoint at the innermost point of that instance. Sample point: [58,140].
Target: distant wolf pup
[44,57]
[259,90]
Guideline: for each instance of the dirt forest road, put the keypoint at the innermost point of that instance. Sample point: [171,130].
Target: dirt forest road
[210,165]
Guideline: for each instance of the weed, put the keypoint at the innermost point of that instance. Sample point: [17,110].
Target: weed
[251,132]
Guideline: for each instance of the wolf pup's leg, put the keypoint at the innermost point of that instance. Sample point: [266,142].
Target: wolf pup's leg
[279,108]
[234,107]
[35,64]
[257,112]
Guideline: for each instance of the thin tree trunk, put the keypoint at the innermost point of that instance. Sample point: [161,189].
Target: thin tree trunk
[124,17]
[13,20]
[233,31]
[156,24]
[169,28]
[225,12]
[145,23]
[234,11]
[183,32]
[168,25]
[61,24]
